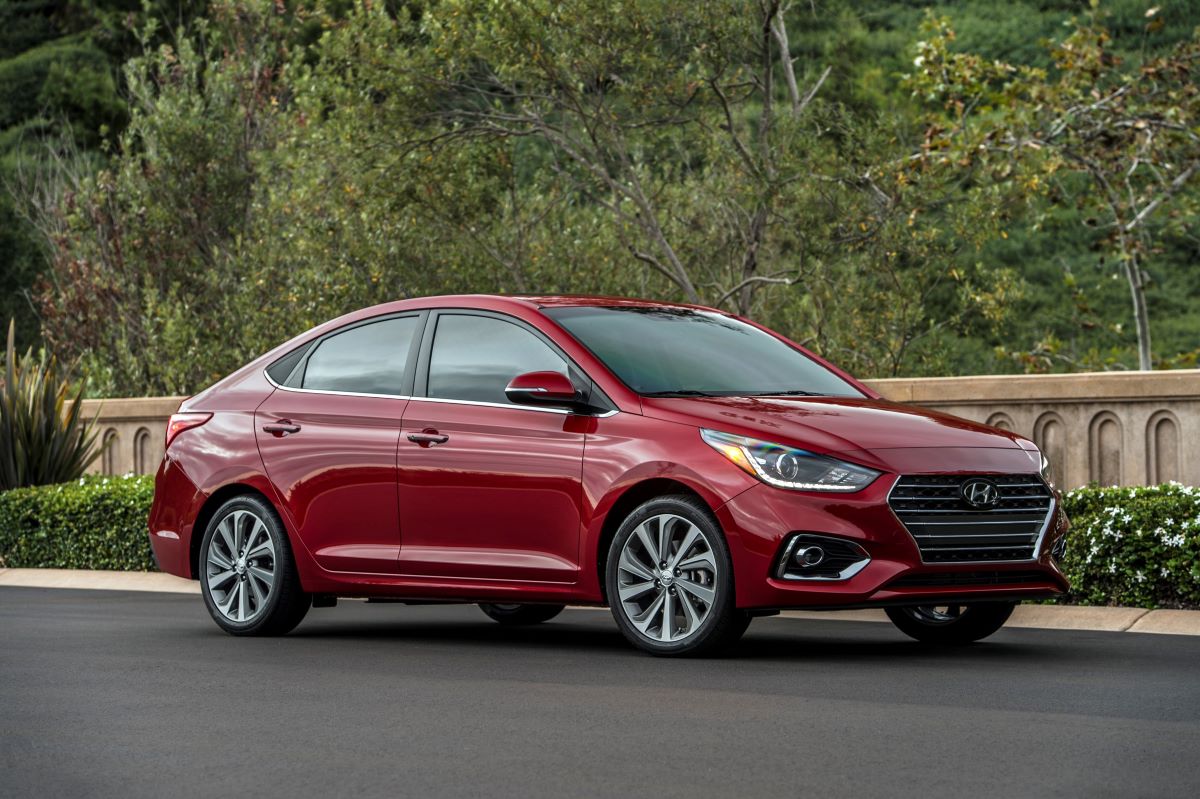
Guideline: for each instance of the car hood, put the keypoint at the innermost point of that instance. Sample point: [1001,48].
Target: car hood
[833,424]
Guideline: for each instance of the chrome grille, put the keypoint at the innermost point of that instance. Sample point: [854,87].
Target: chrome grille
[948,530]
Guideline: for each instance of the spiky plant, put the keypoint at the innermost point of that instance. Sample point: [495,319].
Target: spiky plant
[41,442]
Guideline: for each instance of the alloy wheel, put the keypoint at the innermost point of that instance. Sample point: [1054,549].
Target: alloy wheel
[935,614]
[241,566]
[667,578]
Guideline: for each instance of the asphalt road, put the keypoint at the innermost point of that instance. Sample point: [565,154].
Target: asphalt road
[126,694]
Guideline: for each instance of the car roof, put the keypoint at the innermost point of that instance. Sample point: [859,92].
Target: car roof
[495,301]
[586,300]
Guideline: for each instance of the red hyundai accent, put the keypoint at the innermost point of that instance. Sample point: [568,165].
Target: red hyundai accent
[688,468]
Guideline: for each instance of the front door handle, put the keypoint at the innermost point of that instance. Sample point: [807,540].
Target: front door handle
[281,428]
[428,438]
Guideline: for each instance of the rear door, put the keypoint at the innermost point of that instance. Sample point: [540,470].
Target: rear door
[328,438]
[488,489]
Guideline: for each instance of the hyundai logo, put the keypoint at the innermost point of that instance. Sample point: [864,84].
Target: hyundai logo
[980,493]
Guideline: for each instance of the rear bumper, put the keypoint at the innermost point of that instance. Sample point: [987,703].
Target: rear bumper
[170,527]
[759,521]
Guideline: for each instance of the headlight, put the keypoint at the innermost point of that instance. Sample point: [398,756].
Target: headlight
[787,467]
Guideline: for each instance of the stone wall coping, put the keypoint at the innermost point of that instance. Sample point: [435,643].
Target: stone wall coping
[129,409]
[989,389]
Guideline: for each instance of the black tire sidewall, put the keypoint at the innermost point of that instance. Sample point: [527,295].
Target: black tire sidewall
[285,574]
[716,630]
[978,621]
[521,614]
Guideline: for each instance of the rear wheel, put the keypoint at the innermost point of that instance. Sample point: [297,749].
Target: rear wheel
[247,575]
[951,624]
[517,615]
[670,580]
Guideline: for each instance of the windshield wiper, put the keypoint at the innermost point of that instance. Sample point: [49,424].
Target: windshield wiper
[794,392]
[680,392]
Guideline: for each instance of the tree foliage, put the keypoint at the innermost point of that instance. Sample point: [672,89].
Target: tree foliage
[1123,139]
[285,163]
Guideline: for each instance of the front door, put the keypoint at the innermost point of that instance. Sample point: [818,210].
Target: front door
[488,489]
[328,439]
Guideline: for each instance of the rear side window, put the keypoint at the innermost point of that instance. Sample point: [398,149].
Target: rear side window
[367,359]
[283,368]
[475,357]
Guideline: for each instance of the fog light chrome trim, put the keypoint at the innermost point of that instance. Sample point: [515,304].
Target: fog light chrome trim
[790,567]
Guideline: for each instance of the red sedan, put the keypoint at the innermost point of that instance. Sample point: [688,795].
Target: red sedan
[688,468]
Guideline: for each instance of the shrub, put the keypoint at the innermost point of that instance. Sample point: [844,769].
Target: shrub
[91,523]
[1134,546]
[1127,546]
[39,443]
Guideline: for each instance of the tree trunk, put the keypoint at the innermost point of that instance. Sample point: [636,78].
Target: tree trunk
[1141,316]
[779,28]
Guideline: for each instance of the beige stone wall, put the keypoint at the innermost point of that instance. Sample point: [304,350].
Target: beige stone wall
[136,427]
[1115,428]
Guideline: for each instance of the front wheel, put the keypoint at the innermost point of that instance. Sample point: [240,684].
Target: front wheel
[670,580]
[951,624]
[520,615]
[247,574]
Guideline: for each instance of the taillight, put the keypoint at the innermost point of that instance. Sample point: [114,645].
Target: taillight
[184,421]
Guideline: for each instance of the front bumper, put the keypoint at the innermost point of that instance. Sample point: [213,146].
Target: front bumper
[760,521]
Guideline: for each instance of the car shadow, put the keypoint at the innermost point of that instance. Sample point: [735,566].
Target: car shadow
[767,639]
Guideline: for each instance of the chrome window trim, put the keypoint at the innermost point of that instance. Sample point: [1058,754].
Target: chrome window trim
[1037,544]
[512,406]
[331,391]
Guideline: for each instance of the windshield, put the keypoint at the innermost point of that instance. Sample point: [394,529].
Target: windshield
[683,352]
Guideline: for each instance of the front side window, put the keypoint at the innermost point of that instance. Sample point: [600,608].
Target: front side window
[475,357]
[680,351]
[367,359]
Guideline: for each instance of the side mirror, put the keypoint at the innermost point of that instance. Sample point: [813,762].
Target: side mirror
[543,388]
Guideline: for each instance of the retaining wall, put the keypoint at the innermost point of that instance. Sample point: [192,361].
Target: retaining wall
[1114,428]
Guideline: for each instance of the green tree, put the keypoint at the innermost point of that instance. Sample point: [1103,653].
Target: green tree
[142,252]
[1132,131]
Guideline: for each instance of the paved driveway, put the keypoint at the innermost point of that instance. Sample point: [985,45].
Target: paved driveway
[119,694]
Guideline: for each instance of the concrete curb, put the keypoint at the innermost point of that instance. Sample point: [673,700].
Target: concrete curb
[1057,617]
[98,580]
[1045,617]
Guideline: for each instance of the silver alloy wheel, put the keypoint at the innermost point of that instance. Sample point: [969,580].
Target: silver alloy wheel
[240,566]
[935,614]
[666,578]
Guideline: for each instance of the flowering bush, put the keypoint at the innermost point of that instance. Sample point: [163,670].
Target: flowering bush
[1134,546]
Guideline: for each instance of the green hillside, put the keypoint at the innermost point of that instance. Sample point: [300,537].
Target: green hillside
[187,183]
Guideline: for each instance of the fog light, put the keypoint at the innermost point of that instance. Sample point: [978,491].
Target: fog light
[809,556]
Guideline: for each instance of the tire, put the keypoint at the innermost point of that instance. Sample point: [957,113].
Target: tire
[245,542]
[699,601]
[958,624]
[520,615]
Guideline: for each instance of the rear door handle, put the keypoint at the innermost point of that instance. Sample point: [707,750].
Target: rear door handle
[281,428]
[428,438]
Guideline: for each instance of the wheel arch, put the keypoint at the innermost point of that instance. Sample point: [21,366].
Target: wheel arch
[625,503]
[209,508]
